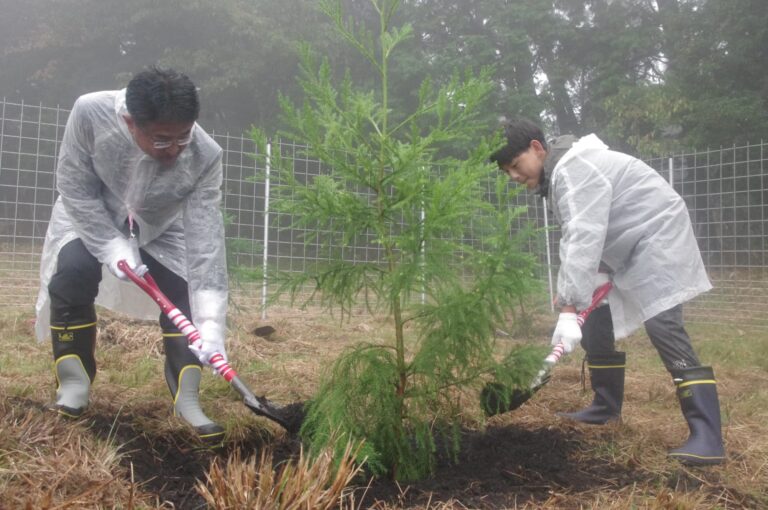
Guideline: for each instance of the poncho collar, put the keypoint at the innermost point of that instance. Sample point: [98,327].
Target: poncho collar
[557,149]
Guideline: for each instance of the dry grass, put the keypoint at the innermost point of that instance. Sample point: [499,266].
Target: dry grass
[304,484]
[49,463]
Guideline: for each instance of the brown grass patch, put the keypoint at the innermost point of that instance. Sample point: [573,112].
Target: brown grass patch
[304,484]
[129,452]
[49,463]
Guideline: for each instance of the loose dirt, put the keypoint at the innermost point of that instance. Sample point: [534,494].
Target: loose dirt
[500,467]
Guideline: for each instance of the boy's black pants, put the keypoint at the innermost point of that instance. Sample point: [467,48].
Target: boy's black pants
[666,331]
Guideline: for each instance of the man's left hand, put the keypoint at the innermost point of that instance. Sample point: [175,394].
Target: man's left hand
[212,340]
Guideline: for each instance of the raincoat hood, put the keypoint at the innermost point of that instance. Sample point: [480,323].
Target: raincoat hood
[557,148]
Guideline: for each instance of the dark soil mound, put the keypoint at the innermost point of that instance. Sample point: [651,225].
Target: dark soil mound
[504,467]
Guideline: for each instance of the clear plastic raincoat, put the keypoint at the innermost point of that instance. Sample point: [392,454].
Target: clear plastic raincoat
[615,209]
[102,176]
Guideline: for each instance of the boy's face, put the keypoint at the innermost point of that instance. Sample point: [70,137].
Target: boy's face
[526,168]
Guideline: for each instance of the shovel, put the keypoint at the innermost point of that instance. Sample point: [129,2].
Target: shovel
[290,417]
[497,398]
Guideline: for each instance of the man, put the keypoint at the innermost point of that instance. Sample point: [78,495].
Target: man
[139,181]
[621,220]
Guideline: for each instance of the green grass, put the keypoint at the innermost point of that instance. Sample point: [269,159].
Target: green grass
[731,347]
[139,373]
[15,365]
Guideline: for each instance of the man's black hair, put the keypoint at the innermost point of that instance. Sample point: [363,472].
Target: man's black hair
[162,95]
[519,133]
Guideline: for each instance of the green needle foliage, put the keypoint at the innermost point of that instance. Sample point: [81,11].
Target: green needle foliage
[414,185]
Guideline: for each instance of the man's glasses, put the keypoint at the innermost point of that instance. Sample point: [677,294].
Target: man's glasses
[181,142]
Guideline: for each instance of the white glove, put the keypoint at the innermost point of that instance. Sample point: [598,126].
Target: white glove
[567,331]
[119,249]
[212,340]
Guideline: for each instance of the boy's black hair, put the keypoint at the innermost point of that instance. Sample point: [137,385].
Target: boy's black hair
[162,95]
[519,133]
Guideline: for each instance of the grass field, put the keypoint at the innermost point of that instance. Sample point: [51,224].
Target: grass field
[129,452]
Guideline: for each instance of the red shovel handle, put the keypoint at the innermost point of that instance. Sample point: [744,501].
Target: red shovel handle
[290,419]
[148,285]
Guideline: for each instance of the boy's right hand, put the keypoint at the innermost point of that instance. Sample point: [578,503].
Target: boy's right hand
[567,332]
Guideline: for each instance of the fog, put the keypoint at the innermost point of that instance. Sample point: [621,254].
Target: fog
[645,74]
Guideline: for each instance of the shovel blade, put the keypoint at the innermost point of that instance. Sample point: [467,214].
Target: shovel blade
[498,399]
[290,417]
[495,398]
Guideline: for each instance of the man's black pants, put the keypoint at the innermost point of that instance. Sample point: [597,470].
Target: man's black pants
[75,283]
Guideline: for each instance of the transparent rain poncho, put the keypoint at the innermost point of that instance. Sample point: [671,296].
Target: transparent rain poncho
[103,176]
[616,209]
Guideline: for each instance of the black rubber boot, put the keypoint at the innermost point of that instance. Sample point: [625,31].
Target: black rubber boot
[697,392]
[73,337]
[606,373]
[183,372]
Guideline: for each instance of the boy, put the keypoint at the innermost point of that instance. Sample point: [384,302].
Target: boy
[621,220]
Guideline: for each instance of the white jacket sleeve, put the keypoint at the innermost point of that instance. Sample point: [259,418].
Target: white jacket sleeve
[206,253]
[583,201]
[80,187]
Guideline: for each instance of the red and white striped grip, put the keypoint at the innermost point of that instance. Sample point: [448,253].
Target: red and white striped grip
[148,285]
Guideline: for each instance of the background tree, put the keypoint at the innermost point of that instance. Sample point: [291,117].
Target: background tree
[240,53]
[395,182]
[717,51]
[646,75]
[455,34]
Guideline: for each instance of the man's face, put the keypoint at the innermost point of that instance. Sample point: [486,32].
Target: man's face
[162,141]
[526,168]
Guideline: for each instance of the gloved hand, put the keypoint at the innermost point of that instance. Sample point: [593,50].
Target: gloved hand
[212,339]
[567,332]
[119,249]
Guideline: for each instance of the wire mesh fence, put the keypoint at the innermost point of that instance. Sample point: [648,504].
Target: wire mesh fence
[725,190]
[255,240]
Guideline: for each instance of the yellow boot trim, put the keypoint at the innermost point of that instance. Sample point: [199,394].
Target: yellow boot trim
[606,366]
[62,412]
[691,383]
[214,434]
[172,335]
[56,364]
[60,409]
[178,384]
[702,457]
[69,328]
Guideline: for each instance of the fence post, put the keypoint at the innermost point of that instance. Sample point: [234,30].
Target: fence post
[56,149]
[266,231]
[549,257]
[671,171]
[422,216]
[2,132]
